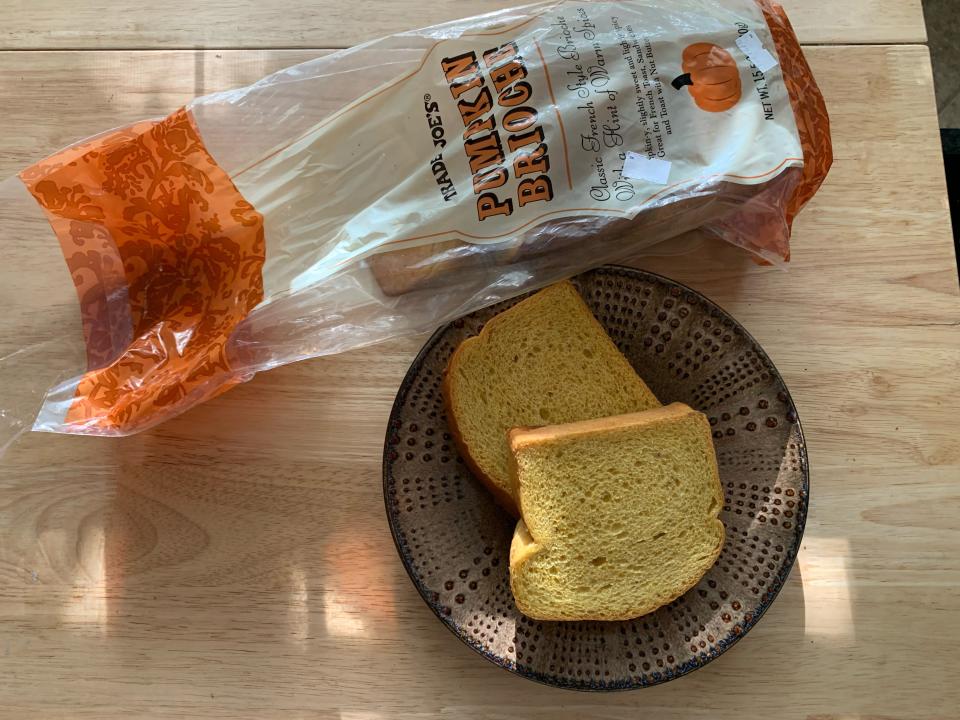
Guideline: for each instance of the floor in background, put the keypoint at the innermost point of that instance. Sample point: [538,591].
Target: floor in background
[943,37]
[951,163]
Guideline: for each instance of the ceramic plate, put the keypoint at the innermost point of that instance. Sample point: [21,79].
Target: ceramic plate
[454,540]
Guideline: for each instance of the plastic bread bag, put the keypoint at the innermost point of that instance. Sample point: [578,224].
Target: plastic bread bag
[388,188]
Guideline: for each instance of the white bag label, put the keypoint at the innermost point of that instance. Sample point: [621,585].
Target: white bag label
[751,46]
[641,167]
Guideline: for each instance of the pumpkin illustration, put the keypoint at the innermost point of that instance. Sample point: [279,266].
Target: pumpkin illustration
[712,76]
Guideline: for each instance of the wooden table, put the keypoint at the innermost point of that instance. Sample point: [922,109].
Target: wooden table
[209,567]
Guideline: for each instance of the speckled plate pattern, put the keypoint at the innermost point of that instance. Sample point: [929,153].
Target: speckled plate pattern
[454,540]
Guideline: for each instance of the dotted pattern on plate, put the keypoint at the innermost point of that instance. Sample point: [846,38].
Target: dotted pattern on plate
[454,540]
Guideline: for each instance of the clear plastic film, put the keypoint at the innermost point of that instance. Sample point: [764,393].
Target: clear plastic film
[386,189]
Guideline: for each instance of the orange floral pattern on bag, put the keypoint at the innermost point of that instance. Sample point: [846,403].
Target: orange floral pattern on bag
[166,256]
[809,109]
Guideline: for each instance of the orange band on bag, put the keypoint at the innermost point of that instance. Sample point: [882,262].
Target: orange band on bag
[166,256]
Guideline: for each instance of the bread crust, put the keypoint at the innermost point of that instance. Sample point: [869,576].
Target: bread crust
[504,499]
[401,271]
[519,437]
[398,272]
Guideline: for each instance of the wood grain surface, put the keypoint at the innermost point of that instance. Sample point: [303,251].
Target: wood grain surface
[236,562]
[131,24]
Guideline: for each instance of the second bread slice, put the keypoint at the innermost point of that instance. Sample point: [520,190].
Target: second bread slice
[620,514]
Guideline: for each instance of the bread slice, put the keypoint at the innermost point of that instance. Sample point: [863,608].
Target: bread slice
[620,514]
[427,266]
[546,360]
